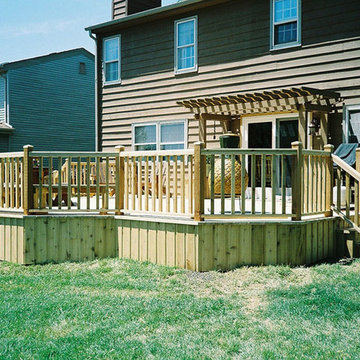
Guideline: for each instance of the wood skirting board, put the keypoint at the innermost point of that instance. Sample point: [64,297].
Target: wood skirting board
[203,246]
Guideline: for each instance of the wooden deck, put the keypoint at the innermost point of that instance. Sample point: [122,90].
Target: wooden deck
[164,207]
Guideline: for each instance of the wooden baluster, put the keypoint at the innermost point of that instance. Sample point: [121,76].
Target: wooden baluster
[222,161]
[199,175]
[2,183]
[139,184]
[191,182]
[147,183]
[283,185]
[98,180]
[120,181]
[348,194]
[306,184]
[154,184]
[88,183]
[273,184]
[168,184]
[69,170]
[175,183]
[253,183]
[28,180]
[126,184]
[263,183]
[50,200]
[182,191]
[78,182]
[232,184]
[133,183]
[12,183]
[160,187]
[338,188]
[59,182]
[212,185]
[329,180]
[243,185]
[17,178]
[297,198]
[7,183]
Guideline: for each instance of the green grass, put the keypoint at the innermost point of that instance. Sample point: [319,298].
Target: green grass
[117,309]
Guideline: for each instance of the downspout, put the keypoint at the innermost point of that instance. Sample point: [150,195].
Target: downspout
[96,93]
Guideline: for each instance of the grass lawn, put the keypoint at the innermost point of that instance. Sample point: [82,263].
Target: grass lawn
[117,309]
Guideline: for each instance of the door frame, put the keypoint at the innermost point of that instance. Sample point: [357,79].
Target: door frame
[274,119]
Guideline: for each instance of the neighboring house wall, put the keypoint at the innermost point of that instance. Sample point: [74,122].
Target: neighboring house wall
[234,56]
[51,105]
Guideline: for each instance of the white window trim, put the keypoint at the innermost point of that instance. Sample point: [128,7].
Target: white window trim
[195,67]
[118,81]
[158,134]
[346,118]
[272,27]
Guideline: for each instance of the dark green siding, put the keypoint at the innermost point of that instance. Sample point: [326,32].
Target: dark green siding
[51,105]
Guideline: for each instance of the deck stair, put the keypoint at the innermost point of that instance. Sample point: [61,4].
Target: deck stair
[348,242]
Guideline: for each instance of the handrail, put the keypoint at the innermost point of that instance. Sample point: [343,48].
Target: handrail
[157,153]
[65,154]
[11,155]
[338,161]
[236,151]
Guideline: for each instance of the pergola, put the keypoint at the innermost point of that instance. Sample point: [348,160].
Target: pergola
[303,100]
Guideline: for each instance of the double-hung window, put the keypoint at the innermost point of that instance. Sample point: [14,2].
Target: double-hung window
[186,45]
[285,23]
[112,56]
[159,136]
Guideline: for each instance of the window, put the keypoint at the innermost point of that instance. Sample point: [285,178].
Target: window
[112,60]
[351,124]
[159,136]
[285,23]
[82,68]
[186,45]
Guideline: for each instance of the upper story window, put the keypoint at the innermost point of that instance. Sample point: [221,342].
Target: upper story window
[3,102]
[112,60]
[159,136]
[285,23]
[186,45]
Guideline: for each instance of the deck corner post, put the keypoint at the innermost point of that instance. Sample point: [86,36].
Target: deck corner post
[297,181]
[27,180]
[199,180]
[120,191]
[329,182]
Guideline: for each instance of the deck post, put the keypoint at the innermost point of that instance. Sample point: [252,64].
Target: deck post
[28,194]
[357,191]
[329,180]
[199,180]
[120,181]
[297,181]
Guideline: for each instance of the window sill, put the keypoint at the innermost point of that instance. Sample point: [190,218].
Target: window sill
[186,71]
[285,46]
[110,83]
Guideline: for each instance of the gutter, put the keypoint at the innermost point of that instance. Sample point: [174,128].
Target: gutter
[96,92]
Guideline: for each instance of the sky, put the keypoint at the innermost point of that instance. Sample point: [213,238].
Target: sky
[30,28]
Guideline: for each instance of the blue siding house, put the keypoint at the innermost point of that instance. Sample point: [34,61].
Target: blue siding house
[48,102]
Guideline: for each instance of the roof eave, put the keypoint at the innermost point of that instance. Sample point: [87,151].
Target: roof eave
[143,16]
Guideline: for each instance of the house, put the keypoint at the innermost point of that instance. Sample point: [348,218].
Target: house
[267,70]
[48,102]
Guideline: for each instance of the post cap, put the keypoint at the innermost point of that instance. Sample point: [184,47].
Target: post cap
[120,148]
[28,147]
[329,147]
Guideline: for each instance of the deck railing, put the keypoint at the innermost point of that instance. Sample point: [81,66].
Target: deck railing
[347,194]
[11,180]
[197,183]
[159,182]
